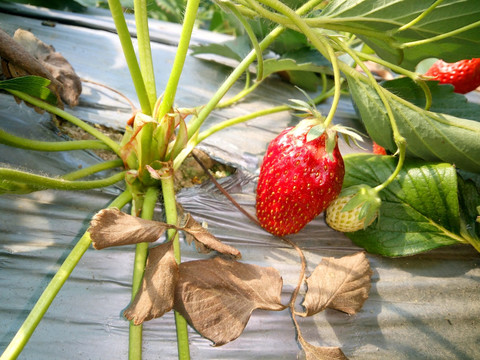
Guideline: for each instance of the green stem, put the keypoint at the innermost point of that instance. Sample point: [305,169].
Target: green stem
[145,51]
[179,61]
[230,122]
[29,144]
[440,37]
[43,303]
[70,118]
[102,166]
[401,160]
[337,81]
[398,138]
[129,52]
[238,96]
[45,182]
[399,70]
[141,252]
[421,16]
[171,215]
[252,37]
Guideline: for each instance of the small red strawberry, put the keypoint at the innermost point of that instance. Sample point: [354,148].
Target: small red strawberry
[379,150]
[464,75]
[298,178]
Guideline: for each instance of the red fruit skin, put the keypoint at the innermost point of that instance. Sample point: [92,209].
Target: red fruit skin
[379,150]
[464,75]
[297,181]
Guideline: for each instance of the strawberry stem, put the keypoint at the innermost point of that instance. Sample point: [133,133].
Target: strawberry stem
[70,118]
[399,70]
[440,37]
[129,52]
[145,51]
[179,61]
[141,252]
[337,81]
[29,144]
[421,16]
[251,35]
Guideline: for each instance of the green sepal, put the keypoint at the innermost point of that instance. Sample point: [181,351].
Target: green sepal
[315,132]
[366,197]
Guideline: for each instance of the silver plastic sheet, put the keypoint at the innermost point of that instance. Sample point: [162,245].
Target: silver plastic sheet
[420,307]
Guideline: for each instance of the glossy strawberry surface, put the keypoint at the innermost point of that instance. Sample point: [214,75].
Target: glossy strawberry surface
[464,75]
[297,181]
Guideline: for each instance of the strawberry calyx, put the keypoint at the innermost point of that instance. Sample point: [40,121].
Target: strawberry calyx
[315,121]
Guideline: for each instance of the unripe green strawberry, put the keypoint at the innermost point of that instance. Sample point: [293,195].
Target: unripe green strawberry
[464,75]
[298,179]
[345,221]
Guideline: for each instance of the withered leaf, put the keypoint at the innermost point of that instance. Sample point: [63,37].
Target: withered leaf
[112,227]
[217,296]
[321,352]
[12,52]
[205,241]
[27,55]
[342,284]
[155,297]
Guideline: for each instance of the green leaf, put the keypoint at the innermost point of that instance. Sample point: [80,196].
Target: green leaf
[32,85]
[288,41]
[303,61]
[420,208]
[235,49]
[444,99]
[377,22]
[469,198]
[430,136]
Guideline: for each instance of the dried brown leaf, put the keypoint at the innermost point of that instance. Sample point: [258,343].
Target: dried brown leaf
[321,352]
[205,241]
[217,296]
[14,53]
[342,284]
[111,227]
[156,296]
[24,54]
[55,63]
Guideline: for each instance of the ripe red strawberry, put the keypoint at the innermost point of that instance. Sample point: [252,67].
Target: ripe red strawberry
[464,75]
[379,150]
[298,179]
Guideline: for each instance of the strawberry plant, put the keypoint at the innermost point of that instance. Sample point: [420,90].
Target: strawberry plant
[423,196]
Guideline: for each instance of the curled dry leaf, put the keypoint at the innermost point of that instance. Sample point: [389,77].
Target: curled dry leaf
[112,227]
[341,284]
[156,295]
[217,296]
[204,240]
[320,352]
[27,55]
